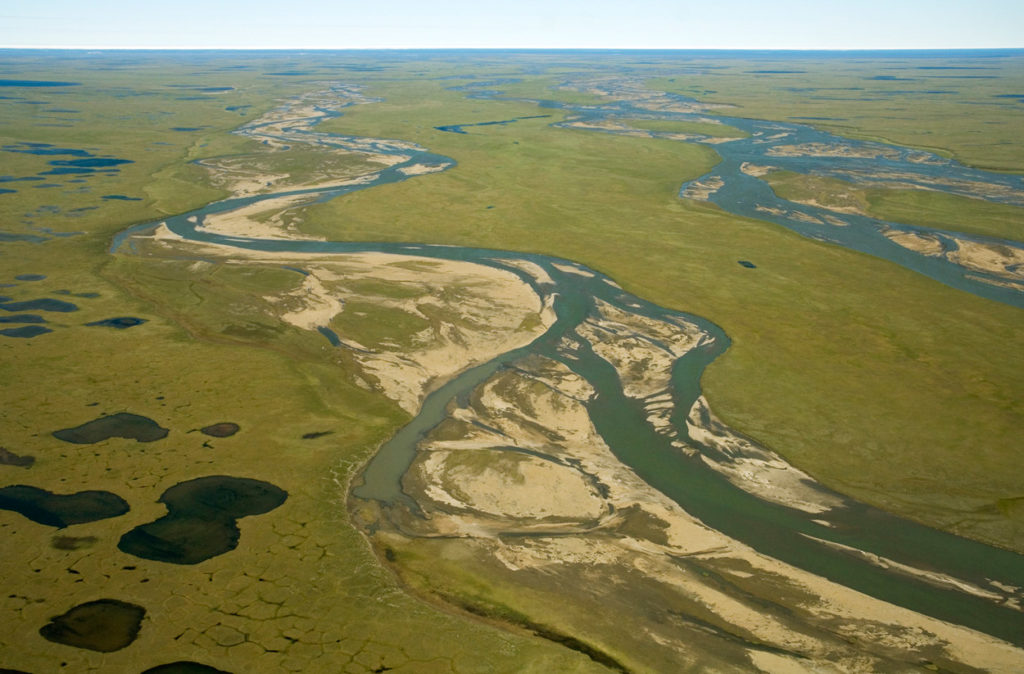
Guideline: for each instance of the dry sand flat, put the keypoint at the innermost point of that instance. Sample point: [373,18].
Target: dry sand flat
[245,222]
[1000,259]
[422,169]
[756,469]
[701,190]
[756,170]
[925,244]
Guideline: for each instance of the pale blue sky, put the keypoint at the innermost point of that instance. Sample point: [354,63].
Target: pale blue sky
[651,24]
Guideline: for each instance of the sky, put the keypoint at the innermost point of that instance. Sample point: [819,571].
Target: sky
[535,24]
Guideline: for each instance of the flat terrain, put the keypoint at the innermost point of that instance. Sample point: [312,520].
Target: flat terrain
[877,382]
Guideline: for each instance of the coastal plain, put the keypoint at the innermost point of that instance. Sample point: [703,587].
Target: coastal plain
[873,381]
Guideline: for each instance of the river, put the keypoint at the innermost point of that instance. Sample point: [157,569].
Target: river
[785,533]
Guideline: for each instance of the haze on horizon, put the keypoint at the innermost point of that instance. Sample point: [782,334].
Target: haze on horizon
[528,24]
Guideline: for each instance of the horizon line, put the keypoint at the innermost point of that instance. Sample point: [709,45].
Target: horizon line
[496,49]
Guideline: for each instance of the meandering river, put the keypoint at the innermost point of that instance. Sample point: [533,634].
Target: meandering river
[788,534]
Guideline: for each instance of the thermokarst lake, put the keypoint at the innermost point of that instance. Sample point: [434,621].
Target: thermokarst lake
[460,362]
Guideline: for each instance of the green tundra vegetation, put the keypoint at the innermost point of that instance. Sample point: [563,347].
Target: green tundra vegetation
[881,383]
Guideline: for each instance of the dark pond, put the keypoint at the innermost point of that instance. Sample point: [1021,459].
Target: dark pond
[331,335]
[120,425]
[9,458]
[45,304]
[225,429]
[6,191]
[45,149]
[209,90]
[121,322]
[22,318]
[459,128]
[25,332]
[61,510]
[184,667]
[30,277]
[187,128]
[37,83]
[120,197]
[91,162]
[104,625]
[747,263]
[201,519]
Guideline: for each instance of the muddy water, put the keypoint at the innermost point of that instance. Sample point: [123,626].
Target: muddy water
[772,529]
